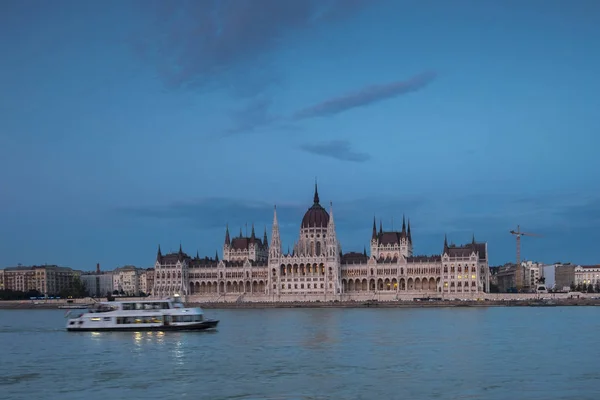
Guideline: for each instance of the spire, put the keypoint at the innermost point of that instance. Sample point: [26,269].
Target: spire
[380,227]
[253,235]
[408,232]
[445,243]
[227,239]
[365,251]
[316,199]
[241,234]
[473,241]
[158,254]
[180,250]
[180,254]
[275,249]
[374,235]
[403,224]
[265,240]
[197,255]
[217,255]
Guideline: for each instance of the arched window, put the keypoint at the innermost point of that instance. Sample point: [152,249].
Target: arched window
[318,250]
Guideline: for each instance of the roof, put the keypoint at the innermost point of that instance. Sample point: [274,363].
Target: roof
[316,216]
[354,258]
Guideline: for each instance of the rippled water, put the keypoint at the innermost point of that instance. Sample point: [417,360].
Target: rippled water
[445,353]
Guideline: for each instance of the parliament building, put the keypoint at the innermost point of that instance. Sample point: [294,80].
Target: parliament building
[316,269]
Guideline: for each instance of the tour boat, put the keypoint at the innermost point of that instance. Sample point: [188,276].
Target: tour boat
[141,315]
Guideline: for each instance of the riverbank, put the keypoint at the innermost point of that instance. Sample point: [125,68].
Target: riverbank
[404,304]
[26,305]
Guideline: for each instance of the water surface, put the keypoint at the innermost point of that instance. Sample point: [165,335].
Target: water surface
[442,353]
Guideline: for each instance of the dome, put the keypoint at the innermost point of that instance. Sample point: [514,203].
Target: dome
[316,216]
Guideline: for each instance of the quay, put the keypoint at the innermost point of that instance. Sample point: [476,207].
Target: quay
[491,300]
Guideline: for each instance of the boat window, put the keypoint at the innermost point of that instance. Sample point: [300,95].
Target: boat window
[107,318]
[127,306]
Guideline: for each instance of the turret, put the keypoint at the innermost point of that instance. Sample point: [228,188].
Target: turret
[227,239]
[275,249]
[374,235]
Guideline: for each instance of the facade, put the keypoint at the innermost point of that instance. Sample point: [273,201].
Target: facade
[588,275]
[147,281]
[98,283]
[317,269]
[126,280]
[49,280]
[564,276]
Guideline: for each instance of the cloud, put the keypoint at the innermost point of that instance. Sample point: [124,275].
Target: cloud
[228,42]
[338,149]
[365,96]
[255,115]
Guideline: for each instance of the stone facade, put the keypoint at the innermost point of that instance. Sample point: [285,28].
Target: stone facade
[317,270]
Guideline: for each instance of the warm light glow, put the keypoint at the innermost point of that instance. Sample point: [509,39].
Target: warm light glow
[473,276]
[95,319]
[460,277]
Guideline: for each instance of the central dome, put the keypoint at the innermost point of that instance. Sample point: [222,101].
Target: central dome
[316,216]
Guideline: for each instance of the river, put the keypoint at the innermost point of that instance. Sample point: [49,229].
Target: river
[440,353]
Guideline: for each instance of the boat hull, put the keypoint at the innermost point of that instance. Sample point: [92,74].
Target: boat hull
[199,326]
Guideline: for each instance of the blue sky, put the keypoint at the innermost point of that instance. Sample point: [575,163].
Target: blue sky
[125,124]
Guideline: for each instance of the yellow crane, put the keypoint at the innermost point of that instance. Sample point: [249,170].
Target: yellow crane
[519,271]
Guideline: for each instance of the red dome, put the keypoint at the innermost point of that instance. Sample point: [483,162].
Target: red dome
[316,216]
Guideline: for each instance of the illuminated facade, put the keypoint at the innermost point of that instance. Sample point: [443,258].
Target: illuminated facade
[317,269]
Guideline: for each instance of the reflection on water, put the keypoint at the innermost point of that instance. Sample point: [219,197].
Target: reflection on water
[491,353]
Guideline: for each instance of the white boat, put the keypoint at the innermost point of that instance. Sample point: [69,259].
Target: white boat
[141,315]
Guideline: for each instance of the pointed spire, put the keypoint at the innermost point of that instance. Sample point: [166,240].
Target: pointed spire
[159,254]
[275,249]
[445,243]
[316,198]
[241,234]
[365,251]
[331,222]
[227,239]
[217,255]
[403,224]
[374,235]
[197,255]
[253,235]
[380,227]
[473,242]
[408,232]
[265,239]
[180,250]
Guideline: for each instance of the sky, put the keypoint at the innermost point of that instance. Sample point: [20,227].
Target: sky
[129,124]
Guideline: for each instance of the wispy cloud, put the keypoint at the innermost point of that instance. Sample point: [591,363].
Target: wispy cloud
[255,115]
[227,42]
[365,96]
[338,149]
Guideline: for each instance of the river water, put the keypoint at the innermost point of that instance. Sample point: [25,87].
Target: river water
[442,353]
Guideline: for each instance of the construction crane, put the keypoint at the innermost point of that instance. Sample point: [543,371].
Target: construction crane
[519,270]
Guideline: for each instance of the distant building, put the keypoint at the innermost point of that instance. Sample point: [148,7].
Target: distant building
[49,280]
[98,283]
[147,281]
[564,275]
[126,280]
[587,275]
